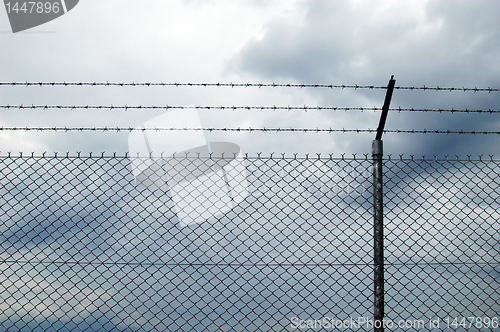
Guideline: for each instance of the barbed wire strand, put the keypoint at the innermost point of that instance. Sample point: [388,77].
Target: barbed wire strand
[250,130]
[247,85]
[169,107]
[234,108]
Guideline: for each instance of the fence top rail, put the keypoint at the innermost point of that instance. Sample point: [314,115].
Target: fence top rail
[258,156]
[449,158]
[126,155]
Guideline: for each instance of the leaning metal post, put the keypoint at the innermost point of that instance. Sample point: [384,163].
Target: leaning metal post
[378,215]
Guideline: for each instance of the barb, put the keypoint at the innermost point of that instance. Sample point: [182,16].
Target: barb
[234,108]
[250,130]
[247,85]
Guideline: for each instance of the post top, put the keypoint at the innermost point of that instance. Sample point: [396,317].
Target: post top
[377,147]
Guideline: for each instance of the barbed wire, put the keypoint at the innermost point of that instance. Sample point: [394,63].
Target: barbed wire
[169,107]
[175,84]
[250,130]
[438,88]
[427,131]
[247,85]
[234,108]
[443,110]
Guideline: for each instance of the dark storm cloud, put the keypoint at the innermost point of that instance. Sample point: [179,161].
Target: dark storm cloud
[299,211]
[342,41]
[441,43]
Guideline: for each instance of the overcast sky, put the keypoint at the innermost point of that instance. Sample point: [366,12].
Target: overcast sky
[432,43]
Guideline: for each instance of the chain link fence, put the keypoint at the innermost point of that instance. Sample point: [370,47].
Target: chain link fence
[443,242]
[85,249]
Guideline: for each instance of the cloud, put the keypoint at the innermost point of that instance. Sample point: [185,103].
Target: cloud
[365,41]
[298,211]
[432,43]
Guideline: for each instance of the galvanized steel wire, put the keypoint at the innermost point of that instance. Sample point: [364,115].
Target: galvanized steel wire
[248,85]
[84,248]
[234,108]
[250,130]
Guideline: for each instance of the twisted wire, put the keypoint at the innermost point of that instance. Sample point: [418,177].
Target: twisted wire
[250,130]
[247,85]
[234,108]
[169,107]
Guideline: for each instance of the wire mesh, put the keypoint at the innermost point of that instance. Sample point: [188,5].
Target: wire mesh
[443,242]
[83,248]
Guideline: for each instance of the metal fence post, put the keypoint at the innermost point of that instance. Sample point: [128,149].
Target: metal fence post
[378,215]
[378,235]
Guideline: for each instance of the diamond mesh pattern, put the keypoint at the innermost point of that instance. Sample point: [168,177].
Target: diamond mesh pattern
[442,247]
[85,249]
